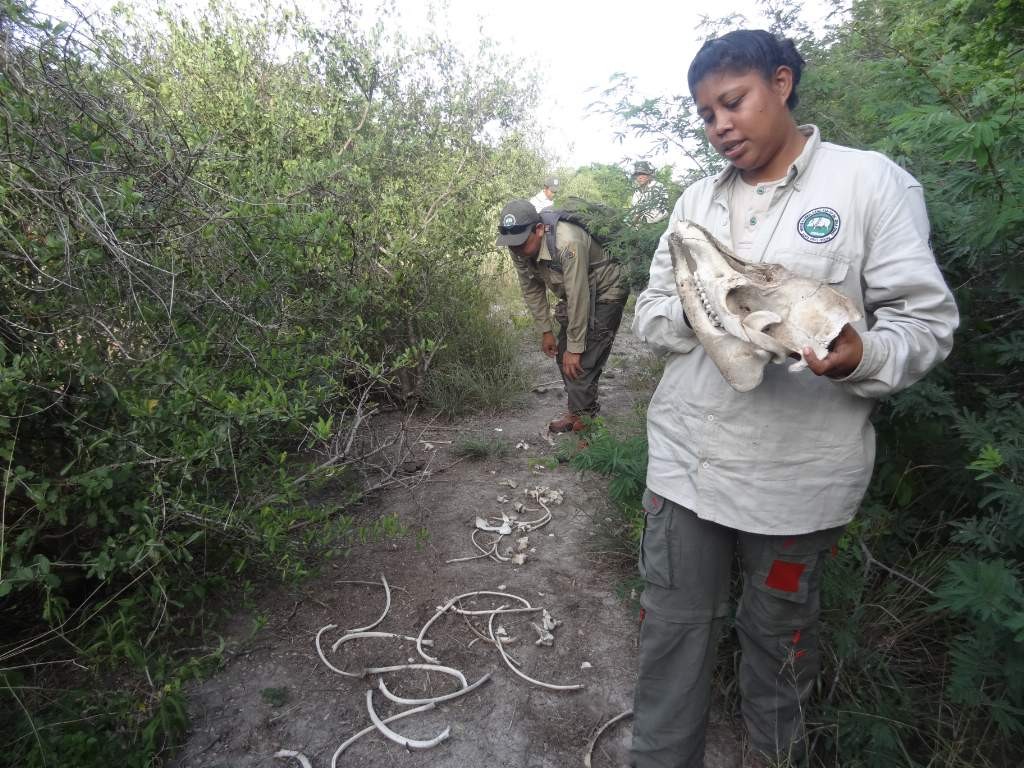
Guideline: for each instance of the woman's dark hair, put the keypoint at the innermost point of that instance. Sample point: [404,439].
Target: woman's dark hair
[744,50]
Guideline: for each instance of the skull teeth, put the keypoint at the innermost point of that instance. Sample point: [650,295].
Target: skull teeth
[713,317]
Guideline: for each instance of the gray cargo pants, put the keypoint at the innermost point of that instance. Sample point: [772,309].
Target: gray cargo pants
[600,336]
[686,563]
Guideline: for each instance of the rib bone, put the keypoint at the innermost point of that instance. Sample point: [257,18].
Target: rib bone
[398,738]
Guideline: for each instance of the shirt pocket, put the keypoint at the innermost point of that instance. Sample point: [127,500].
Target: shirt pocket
[655,545]
[827,267]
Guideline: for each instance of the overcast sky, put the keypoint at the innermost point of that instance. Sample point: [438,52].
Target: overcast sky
[577,45]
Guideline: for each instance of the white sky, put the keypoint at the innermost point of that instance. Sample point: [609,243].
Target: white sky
[576,45]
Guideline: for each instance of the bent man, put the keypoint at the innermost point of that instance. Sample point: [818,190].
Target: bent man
[591,289]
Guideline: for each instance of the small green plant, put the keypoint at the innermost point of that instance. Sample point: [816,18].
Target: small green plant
[479,448]
[389,526]
[275,697]
[544,462]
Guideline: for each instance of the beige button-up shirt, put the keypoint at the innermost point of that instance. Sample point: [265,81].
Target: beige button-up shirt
[572,285]
[540,201]
[795,454]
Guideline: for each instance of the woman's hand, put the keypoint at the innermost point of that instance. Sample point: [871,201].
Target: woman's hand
[844,355]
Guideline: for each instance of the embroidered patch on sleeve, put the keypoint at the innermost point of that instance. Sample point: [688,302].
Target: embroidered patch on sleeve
[784,576]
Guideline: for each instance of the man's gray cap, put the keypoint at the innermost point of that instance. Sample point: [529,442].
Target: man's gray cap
[551,182]
[643,167]
[516,221]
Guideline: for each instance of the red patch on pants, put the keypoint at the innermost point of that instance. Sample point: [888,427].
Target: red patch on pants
[642,614]
[784,576]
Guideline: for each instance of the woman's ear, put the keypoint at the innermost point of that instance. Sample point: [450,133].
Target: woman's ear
[782,82]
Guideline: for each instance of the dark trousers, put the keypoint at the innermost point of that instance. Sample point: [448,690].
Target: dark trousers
[600,336]
[686,563]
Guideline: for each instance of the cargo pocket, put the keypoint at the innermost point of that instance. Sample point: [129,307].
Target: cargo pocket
[655,547]
[787,566]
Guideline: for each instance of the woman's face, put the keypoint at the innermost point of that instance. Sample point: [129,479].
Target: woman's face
[747,121]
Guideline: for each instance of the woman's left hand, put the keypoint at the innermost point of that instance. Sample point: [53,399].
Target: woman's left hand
[843,357]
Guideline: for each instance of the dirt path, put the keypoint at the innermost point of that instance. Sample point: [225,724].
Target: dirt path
[275,693]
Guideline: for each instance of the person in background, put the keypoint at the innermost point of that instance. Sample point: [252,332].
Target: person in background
[650,199]
[545,198]
[776,473]
[591,289]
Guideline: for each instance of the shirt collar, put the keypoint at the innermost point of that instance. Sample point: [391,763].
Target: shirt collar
[796,170]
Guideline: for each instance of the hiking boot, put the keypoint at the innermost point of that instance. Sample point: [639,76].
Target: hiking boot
[567,422]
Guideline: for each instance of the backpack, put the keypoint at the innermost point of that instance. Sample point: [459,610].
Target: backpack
[602,222]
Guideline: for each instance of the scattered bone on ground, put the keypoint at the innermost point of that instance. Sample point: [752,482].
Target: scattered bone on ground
[490,716]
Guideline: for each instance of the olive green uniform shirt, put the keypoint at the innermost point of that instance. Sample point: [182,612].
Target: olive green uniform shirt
[578,251]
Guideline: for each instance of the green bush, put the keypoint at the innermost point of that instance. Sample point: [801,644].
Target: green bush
[227,242]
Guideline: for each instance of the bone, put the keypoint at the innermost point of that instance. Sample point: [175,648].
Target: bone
[428,667]
[488,553]
[489,611]
[303,760]
[544,636]
[504,529]
[398,738]
[504,639]
[346,744]
[527,678]
[370,670]
[548,622]
[435,699]
[446,607]
[597,735]
[747,315]
[387,607]
[320,653]
[349,636]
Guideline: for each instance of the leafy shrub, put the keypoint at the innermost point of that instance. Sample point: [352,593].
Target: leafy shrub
[227,242]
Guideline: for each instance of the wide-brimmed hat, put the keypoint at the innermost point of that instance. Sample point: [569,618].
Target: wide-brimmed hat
[516,221]
[642,167]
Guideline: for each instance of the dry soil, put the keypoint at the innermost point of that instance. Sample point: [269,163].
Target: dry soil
[274,693]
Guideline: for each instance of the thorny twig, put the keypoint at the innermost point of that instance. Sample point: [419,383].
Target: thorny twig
[870,560]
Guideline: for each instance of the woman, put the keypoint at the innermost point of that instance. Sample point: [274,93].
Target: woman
[776,473]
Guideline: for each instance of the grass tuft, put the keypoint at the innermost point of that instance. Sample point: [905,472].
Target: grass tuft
[478,448]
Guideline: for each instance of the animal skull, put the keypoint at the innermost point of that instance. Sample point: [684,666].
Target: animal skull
[747,315]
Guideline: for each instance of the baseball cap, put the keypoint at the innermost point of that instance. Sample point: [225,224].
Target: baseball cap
[515,222]
[551,182]
[643,167]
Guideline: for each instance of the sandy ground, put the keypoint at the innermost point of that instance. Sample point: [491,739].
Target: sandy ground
[275,693]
